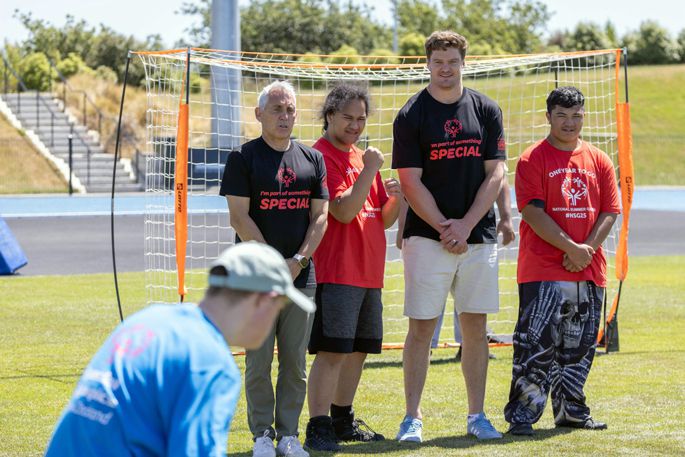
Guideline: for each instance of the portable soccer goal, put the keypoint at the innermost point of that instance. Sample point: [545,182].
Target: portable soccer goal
[201,106]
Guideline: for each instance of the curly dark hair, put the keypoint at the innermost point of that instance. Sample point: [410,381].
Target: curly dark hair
[566,97]
[339,96]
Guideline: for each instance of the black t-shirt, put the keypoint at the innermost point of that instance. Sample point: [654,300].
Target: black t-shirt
[280,186]
[451,143]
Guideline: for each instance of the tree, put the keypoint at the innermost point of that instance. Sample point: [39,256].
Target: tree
[681,46]
[526,22]
[96,47]
[71,65]
[513,26]
[558,39]
[301,26]
[587,36]
[412,44]
[344,55]
[417,16]
[295,26]
[611,34]
[651,44]
[36,72]
[199,33]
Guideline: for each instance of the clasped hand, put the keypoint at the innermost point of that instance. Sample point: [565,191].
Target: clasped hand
[454,234]
[578,258]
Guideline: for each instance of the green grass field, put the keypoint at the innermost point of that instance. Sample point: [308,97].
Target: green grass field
[50,326]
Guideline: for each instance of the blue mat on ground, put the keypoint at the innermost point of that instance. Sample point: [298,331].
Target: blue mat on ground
[12,257]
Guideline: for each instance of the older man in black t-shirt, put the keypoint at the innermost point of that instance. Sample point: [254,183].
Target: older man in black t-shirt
[277,194]
[449,152]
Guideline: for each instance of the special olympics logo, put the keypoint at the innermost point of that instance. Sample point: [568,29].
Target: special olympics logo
[131,342]
[573,189]
[452,127]
[286,175]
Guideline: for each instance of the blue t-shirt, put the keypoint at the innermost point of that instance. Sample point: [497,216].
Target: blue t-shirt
[163,384]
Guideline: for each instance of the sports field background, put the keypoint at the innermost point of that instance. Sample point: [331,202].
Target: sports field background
[51,325]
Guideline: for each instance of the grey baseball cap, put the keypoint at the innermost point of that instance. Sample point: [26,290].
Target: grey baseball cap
[257,267]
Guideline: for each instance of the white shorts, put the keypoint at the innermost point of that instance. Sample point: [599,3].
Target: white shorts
[430,272]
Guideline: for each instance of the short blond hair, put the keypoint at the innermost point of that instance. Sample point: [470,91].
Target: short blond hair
[444,39]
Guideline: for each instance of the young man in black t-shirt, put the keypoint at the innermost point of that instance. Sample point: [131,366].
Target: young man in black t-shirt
[277,194]
[449,151]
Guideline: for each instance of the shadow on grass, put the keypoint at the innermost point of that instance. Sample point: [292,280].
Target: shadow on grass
[629,352]
[57,377]
[445,442]
[398,363]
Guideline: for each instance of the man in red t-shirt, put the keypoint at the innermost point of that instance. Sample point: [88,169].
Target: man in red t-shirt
[567,195]
[350,263]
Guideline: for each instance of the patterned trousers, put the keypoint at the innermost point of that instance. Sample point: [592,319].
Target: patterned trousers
[554,346]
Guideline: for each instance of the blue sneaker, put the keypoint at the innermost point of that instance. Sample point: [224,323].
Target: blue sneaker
[410,430]
[482,429]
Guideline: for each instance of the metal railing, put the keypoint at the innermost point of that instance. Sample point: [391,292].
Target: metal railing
[40,99]
[86,101]
[82,95]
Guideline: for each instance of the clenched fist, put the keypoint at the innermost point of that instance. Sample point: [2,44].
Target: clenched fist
[392,188]
[373,158]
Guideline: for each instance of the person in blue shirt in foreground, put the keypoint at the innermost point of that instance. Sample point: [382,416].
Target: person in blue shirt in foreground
[165,383]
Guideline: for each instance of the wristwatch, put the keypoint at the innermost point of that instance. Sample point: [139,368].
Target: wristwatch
[301,260]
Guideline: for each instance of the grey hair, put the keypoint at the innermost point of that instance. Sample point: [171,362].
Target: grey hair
[282,85]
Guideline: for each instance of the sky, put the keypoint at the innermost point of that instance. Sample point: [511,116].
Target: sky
[147,17]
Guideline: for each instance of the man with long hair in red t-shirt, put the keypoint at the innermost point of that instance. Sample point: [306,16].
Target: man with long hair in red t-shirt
[350,264]
[567,195]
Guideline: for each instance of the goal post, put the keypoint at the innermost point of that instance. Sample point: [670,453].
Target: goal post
[518,83]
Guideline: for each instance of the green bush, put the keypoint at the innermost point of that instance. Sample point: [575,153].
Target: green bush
[71,65]
[412,44]
[196,83]
[681,46]
[383,57]
[651,45]
[36,72]
[482,48]
[106,74]
[310,57]
[344,55]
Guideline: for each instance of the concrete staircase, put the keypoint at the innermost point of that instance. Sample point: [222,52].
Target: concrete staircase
[43,114]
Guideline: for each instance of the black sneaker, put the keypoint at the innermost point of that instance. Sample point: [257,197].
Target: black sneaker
[457,357]
[520,429]
[350,429]
[494,339]
[320,435]
[588,424]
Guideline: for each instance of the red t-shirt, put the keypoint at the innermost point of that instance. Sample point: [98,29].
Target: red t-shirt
[576,187]
[354,253]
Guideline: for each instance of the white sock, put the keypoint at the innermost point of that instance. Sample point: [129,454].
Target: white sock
[472,417]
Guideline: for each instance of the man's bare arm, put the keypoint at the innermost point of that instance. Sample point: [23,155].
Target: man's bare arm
[318,222]
[544,226]
[601,229]
[505,226]
[391,208]
[347,205]
[242,223]
[459,230]
[419,197]
[404,207]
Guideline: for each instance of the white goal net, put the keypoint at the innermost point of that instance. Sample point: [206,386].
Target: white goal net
[223,93]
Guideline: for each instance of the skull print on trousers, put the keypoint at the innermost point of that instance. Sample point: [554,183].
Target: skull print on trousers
[554,345]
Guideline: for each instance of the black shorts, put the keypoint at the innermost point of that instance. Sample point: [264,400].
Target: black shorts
[347,319]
